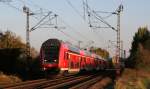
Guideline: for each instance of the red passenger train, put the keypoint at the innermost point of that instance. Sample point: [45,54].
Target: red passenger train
[59,56]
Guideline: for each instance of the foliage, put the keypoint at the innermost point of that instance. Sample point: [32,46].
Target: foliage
[146,82]
[11,61]
[102,52]
[9,39]
[133,79]
[13,58]
[9,78]
[139,53]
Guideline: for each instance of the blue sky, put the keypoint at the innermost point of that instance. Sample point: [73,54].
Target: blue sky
[135,14]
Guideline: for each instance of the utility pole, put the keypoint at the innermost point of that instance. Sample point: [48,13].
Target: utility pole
[79,43]
[121,49]
[101,19]
[28,13]
[120,9]
[118,65]
[124,52]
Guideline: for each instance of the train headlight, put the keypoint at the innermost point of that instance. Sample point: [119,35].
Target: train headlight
[44,68]
[45,60]
[55,60]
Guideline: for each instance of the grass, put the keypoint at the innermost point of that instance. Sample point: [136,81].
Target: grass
[134,79]
[9,79]
[146,82]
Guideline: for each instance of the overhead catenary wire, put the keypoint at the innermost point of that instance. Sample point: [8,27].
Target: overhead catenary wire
[8,4]
[75,9]
[37,25]
[20,10]
[106,12]
[78,11]
[78,33]
[83,8]
[17,9]
[56,27]
[36,13]
[101,19]
[67,34]
[93,13]
[43,10]
[75,31]
[62,20]
[106,17]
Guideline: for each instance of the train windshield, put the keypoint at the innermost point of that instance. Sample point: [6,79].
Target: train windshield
[51,53]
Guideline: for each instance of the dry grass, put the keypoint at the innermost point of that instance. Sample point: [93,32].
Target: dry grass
[132,79]
[9,79]
[101,84]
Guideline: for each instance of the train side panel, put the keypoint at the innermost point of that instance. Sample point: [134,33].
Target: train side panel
[63,58]
[74,62]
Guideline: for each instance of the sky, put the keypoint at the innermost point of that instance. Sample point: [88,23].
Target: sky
[73,22]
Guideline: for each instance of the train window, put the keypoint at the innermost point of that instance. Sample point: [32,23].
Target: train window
[69,56]
[80,58]
[51,53]
[66,55]
[83,59]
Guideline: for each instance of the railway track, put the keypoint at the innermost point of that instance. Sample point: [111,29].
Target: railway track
[68,82]
[87,84]
[33,83]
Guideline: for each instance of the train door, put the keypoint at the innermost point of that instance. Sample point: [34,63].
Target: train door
[82,63]
[97,64]
[73,63]
[102,64]
[92,63]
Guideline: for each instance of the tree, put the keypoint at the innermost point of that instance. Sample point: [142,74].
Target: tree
[141,41]
[102,52]
[9,39]
[13,59]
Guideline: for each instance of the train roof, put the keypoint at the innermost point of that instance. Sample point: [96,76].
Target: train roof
[51,42]
[87,53]
[70,47]
[57,42]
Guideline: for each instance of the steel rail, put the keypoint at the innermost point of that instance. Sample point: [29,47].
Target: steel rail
[36,83]
[70,82]
[87,84]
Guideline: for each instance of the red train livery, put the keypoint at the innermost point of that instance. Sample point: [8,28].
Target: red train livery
[63,57]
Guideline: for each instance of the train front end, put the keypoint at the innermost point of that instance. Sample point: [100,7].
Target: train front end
[49,55]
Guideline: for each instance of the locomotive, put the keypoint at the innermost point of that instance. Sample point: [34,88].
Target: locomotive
[59,56]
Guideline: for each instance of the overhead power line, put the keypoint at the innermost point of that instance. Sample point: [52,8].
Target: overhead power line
[73,29]
[102,20]
[37,25]
[75,9]
[67,34]
[91,12]
[12,6]
[85,9]
[35,5]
